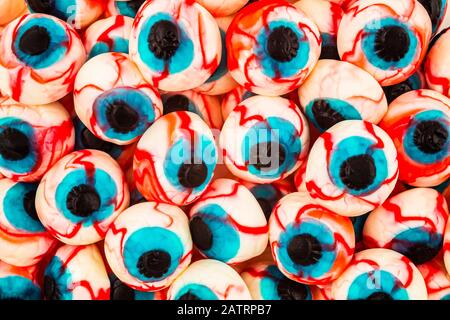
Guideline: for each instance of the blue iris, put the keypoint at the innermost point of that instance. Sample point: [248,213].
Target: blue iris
[180,153]
[379,281]
[119,44]
[225,238]
[274,68]
[357,146]
[26,164]
[345,109]
[124,8]
[57,47]
[408,141]
[323,235]
[269,285]
[100,180]
[148,239]
[199,290]
[14,209]
[135,99]
[62,277]
[413,237]
[222,69]
[16,287]
[273,130]
[358,226]
[62,9]
[182,57]
[370,38]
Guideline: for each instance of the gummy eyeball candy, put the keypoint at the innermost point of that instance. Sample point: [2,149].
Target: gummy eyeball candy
[386,38]
[358,225]
[23,239]
[120,291]
[207,107]
[438,78]
[438,12]
[113,100]
[223,8]
[266,282]
[221,80]
[209,280]
[149,245]
[33,139]
[310,244]
[108,35]
[127,8]
[322,292]
[18,283]
[326,15]
[10,10]
[76,273]
[272,47]
[380,274]
[175,159]
[39,58]
[419,124]
[446,246]
[337,91]
[436,279]
[411,222]
[227,223]
[414,82]
[80,196]
[175,43]
[358,168]
[78,13]
[233,98]
[264,139]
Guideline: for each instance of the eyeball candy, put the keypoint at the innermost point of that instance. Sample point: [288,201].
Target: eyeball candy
[32,139]
[221,80]
[310,244]
[78,13]
[108,35]
[264,139]
[358,168]
[436,279]
[18,283]
[380,274]
[414,82]
[446,247]
[175,159]
[358,225]
[438,78]
[272,47]
[438,10]
[10,10]
[120,291]
[76,273]
[126,8]
[149,245]
[266,282]
[337,91]
[227,223]
[419,124]
[233,98]
[175,43]
[113,100]
[80,196]
[209,280]
[224,8]
[411,222]
[386,38]
[326,15]
[207,107]
[23,239]
[39,58]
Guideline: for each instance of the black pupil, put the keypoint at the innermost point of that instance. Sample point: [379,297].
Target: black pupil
[28,204]
[358,172]
[421,253]
[83,200]
[164,39]
[396,90]
[430,136]
[154,264]
[175,103]
[192,175]
[380,296]
[189,296]
[14,145]
[392,43]
[201,233]
[122,117]
[120,291]
[35,41]
[265,155]
[304,249]
[41,6]
[325,115]
[291,290]
[90,141]
[51,290]
[434,8]
[282,44]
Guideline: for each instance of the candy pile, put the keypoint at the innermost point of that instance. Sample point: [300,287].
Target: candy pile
[234,149]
